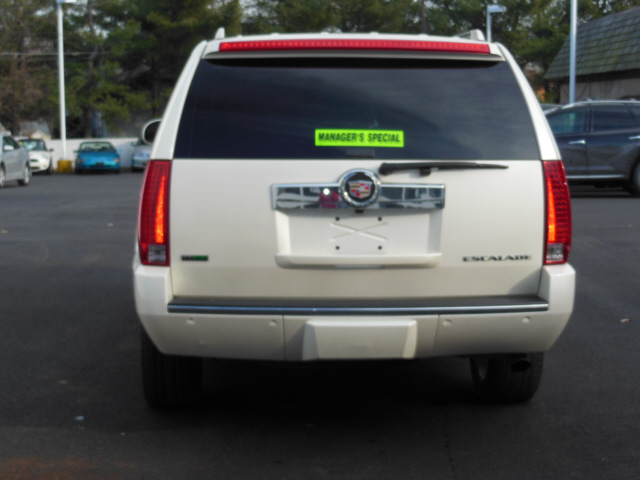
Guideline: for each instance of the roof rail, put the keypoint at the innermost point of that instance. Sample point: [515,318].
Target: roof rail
[602,101]
[219,34]
[472,35]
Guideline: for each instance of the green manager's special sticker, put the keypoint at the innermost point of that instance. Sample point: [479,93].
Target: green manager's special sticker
[338,137]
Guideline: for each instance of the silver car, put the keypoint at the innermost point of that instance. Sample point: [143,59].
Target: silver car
[141,154]
[14,162]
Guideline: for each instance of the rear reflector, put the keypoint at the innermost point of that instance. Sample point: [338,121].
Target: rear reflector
[558,241]
[407,45]
[153,221]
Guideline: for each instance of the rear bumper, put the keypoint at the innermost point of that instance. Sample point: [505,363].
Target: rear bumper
[137,163]
[295,332]
[93,166]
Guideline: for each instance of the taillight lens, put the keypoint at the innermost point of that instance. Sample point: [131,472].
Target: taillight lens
[558,239]
[153,221]
[345,44]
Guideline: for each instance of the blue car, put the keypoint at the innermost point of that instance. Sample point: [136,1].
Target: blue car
[97,156]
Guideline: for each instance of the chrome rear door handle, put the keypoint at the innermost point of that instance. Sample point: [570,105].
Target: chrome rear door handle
[637,137]
[578,142]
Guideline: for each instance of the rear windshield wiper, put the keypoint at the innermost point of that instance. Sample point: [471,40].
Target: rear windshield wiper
[425,167]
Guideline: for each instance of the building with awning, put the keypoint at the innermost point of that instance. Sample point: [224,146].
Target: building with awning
[607,59]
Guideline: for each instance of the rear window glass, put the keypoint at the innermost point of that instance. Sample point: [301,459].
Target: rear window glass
[96,147]
[369,108]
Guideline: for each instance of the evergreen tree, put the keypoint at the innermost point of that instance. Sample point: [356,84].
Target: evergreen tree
[299,16]
[157,36]
[96,83]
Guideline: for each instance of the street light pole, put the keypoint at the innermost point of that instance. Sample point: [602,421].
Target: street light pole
[63,125]
[572,51]
[493,9]
[63,108]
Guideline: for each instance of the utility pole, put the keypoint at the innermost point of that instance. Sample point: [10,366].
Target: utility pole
[423,14]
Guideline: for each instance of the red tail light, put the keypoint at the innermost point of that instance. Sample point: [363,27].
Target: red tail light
[153,222]
[558,241]
[344,44]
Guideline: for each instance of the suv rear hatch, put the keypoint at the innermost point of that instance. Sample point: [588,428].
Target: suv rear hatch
[256,209]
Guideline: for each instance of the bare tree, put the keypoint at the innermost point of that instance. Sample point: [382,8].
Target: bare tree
[24,28]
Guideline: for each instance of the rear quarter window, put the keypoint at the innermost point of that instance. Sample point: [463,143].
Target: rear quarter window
[278,108]
[612,118]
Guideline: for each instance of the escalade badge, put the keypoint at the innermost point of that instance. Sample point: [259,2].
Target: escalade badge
[359,188]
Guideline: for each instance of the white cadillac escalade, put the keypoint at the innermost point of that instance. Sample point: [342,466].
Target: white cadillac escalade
[352,196]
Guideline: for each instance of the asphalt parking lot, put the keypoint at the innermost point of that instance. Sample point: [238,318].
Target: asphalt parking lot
[71,405]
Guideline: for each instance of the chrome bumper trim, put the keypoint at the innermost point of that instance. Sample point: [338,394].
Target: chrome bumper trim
[595,177]
[337,311]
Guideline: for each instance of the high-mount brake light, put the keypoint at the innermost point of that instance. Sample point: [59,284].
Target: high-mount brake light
[558,241]
[153,221]
[345,44]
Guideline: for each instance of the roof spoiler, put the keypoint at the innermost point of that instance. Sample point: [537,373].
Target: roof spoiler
[473,35]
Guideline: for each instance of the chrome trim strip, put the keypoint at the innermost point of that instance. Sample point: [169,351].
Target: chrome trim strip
[594,177]
[234,310]
[296,196]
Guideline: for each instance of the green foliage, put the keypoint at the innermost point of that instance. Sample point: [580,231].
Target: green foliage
[390,16]
[158,36]
[298,16]
[289,16]
[95,79]
[126,55]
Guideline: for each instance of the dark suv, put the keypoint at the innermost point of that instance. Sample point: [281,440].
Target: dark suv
[600,142]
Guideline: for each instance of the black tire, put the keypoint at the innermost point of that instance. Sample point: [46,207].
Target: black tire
[50,167]
[169,381]
[78,171]
[27,177]
[3,176]
[507,378]
[634,182]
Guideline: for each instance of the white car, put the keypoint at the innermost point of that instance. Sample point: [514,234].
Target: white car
[326,197]
[14,162]
[40,157]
